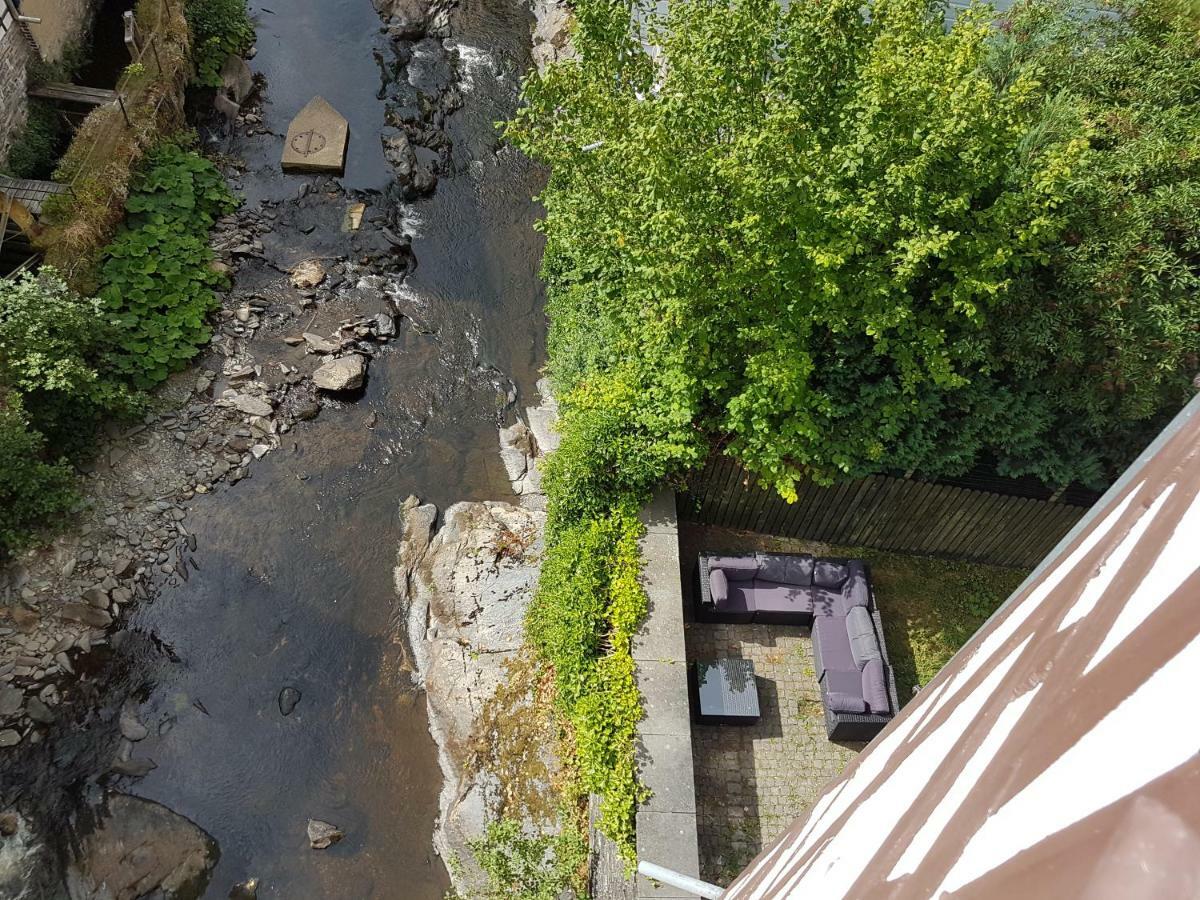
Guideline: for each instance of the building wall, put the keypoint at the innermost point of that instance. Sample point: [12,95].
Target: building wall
[64,22]
[15,56]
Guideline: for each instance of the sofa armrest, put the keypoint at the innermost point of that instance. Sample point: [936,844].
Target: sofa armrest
[845,703]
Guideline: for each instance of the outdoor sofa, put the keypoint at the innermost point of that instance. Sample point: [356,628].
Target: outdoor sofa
[833,597]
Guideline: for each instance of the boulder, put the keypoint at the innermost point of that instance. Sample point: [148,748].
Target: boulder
[139,848]
[88,615]
[343,373]
[308,274]
[322,835]
[252,406]
[318,344]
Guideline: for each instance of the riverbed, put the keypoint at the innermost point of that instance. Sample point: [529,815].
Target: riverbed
[292,582]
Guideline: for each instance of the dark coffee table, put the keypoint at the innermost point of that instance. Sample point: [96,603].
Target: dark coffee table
[724,692]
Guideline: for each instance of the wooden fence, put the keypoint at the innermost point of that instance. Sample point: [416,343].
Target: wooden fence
[898,514]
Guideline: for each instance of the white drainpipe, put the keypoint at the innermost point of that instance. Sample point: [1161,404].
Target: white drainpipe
[683,882]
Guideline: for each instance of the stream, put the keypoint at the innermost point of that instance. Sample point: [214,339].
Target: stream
[293,587]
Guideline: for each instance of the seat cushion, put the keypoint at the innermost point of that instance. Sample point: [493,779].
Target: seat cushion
[829,633]
[782,603]
[874,687]
[847,682]
[826,602]
[786,568]
[718,585]
[736,568]
[845,703]
[738,605]
[860,630]
[828,574]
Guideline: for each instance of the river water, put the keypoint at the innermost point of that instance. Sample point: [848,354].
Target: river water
[294,587]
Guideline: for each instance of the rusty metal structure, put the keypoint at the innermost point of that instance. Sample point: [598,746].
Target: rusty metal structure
[1058,753]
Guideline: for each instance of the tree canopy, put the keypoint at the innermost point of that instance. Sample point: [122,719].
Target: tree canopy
[841,239]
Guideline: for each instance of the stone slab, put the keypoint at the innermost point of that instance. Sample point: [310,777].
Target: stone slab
[316,140]
[664,697]
[661,636]
[660,514]
[668,839]
[665,763]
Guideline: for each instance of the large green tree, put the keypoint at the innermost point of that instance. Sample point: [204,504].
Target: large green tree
[844,239]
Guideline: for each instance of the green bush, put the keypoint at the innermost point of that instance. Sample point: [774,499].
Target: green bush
[219,28]
[529,867]
[157,282]
[34,491]
[35,151]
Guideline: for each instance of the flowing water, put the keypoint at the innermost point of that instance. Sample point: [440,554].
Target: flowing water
[294,587]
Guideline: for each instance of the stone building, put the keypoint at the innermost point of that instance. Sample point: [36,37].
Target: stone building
[63,23]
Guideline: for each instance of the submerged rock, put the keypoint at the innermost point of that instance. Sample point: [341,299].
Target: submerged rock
[288,698]
[138,849]
[345,373]
[322,835]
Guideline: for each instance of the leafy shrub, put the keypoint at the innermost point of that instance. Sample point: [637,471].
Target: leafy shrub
[35,151]
[582,621]
[529,867]
[219,28]
[157,283]
[53,350]
[33,490]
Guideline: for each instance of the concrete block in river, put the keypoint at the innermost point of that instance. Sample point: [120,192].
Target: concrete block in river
[317,139]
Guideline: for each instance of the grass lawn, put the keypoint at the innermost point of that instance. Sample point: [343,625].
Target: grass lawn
[929,607]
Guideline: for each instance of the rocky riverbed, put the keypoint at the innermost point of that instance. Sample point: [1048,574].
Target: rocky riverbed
[150,650]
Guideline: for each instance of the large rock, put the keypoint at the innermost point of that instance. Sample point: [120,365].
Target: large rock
[465,589]
[345,373]
[140,848]
[523,443]
[551,33]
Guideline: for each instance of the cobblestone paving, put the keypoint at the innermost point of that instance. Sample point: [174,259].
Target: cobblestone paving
[752,781]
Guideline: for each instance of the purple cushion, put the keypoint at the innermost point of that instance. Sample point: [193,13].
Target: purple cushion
[738,601]
[830,575]
[829,633]
[826,602]
[718,586]
[855,592]
[767,596]
[847,703]
[874,687]
[860,630]
[736,568]
[843,682]
[784,568]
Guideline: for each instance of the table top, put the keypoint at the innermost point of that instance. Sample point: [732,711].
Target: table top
[727,688]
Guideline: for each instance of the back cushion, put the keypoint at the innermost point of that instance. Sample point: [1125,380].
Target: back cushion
[718,586]
[736,568]
[875,688]
[830,575]
[785,568]
[861,631]
[856,591]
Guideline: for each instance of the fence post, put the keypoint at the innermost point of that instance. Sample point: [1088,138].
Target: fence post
[121,103]
[154,47]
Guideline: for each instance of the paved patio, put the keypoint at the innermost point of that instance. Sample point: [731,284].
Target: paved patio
[751,782]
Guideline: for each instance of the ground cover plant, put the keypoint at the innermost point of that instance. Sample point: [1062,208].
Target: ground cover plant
[835,244]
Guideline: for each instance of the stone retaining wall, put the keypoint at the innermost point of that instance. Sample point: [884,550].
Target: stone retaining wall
[15,56]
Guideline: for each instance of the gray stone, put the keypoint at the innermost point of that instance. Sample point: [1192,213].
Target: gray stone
[319,344]
[10,700]
[131,728]
[344,373]
[136,767]
[288,698]
[39,711]
[252,406]
[9,738]
[88,615]
[97,597]
[322,835]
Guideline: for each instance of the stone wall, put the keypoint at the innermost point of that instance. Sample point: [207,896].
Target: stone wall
[15,56]
[64,22]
